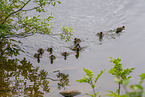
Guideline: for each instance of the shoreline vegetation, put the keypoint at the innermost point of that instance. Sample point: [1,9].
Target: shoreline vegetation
[16,74]
[121,77]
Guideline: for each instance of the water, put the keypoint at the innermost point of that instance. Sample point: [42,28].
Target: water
[87,18]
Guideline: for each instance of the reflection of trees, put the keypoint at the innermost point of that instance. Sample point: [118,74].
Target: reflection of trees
[15,79]
[15,75]
[19,77]
[7,48]
[63,80]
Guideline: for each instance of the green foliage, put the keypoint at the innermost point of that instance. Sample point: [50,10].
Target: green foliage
[121,75]
[88,78]
[122,78]
[142,77]
[112,94]
[12,19]
[67,33]
[34,24]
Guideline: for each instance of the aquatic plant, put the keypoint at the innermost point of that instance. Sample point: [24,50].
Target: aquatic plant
[66,34]
[88,78]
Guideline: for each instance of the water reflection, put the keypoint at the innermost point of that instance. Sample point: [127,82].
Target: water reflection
[19,77]
[15,76]
[9,49]
[63,80]
[77,55]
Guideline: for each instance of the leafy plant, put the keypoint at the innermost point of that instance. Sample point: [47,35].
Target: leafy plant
[67,33]
[121,75]
[12,17]
[88,78]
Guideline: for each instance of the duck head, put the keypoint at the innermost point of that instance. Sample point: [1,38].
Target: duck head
[40,51]
[50,50]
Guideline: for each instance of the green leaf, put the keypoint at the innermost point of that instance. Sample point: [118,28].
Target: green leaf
[90,95]
[142,76]
[117,80]
[87,71]
[136,87]
[85,79]
[98,76]
[93,86]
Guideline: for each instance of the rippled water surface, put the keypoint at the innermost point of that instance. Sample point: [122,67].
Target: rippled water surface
[87,18]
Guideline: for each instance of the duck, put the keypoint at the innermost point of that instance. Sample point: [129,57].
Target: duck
[50,50]
[77,47]
[37,55]
[64,54]
[119,29]
[52,57]
[100,34]
[77,41]
[40,51]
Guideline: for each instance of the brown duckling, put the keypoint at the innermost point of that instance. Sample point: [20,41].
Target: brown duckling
[77,47]
[100,34]
[37,55]
[52,57]
[64,54]
[50,50]
[119,29]
[40,51]
[77,41]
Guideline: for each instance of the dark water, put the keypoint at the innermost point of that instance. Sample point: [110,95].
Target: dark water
[87,18]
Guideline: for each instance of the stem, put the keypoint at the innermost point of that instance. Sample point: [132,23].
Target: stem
[31,9]
[119,88]
[15,11]
[93,87]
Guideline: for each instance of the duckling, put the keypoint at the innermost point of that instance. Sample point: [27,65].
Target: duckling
[119,29]
[40,51]
[50,50]
[37,55]
[77,41]
[65,54]
[100,34]
[77,47]
[52,57]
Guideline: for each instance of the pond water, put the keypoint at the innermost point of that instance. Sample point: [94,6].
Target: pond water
[87,18]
